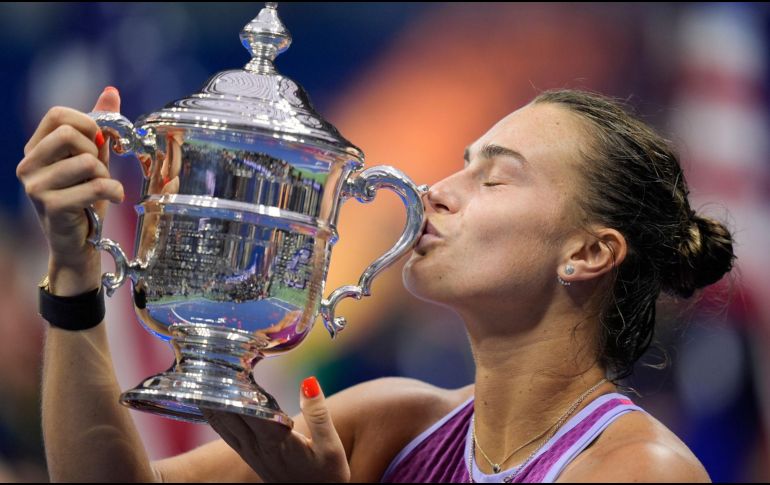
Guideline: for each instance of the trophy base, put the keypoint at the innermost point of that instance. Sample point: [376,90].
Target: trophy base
[181,397]
[200,381]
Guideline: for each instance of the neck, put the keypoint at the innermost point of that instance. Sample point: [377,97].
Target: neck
[525,382]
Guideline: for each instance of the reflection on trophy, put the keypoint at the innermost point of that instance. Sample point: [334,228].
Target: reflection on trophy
[243,184]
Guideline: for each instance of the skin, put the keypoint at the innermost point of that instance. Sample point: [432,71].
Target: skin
[508,226]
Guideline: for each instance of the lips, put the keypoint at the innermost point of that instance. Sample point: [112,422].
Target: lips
[430,229]
[430,235]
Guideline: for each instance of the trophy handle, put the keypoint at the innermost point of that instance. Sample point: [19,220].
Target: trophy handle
[364,186]
[111,281]
[126,140]
[125,137]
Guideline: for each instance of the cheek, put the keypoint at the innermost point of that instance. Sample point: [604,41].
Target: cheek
[506,258]
[493,252]
[510,249]
[482,262]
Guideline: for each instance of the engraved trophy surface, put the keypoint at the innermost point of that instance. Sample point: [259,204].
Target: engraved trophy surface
[243,183]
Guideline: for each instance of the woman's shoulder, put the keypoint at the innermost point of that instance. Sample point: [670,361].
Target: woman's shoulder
[388,395]
[387,414]
[636,447]
[401,404]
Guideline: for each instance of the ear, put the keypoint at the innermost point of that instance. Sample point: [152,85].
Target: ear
[593,254]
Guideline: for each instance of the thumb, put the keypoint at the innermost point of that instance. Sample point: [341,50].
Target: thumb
[317,417]
[109,100]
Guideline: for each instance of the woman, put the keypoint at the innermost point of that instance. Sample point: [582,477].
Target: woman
[553,244]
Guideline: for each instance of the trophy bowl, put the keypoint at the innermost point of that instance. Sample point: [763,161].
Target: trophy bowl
[242,188]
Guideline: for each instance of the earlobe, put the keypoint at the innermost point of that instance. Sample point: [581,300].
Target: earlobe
[568,270]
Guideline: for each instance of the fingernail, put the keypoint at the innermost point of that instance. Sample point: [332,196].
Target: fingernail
[311,388]
[99,139]
[111,88]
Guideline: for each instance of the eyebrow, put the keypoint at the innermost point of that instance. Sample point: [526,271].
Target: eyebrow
[489,151]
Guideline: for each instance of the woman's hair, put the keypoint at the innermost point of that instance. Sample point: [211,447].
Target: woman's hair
[633,183]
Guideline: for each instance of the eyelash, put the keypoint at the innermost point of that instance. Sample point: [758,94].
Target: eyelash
[491,184]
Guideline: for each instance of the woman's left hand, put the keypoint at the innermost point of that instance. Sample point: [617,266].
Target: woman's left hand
[279,454]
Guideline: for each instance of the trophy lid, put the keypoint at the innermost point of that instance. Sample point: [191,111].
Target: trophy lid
[256,98]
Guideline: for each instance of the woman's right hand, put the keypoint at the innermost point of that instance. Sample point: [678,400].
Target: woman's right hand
[63,172]
[279,454]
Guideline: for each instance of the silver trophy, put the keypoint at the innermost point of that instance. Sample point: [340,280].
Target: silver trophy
[243,184]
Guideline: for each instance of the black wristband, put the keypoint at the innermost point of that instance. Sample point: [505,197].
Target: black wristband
[79,312]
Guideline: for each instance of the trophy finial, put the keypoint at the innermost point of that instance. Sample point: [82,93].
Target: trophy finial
[265,37]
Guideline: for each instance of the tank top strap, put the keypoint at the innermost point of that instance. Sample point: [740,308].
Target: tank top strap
[572,438]
[581,431]
[441,452]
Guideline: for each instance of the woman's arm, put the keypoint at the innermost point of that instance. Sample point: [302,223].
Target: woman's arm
[89,436]
[373,419]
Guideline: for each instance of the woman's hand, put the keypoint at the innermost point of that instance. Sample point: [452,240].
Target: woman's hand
[279,454]
[64,170]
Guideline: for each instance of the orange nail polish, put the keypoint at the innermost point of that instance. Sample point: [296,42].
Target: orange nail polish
[111,88]
[99,139]
[311,388]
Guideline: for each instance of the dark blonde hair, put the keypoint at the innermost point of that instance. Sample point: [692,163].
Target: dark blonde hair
[633,182]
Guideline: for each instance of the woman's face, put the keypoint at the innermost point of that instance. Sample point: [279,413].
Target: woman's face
[502,220]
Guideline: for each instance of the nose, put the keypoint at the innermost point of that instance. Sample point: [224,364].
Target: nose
[439,199]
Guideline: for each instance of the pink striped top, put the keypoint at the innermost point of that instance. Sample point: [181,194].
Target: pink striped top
[440,454]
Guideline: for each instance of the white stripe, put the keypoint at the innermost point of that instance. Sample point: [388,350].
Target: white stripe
[586,439]
[480,477]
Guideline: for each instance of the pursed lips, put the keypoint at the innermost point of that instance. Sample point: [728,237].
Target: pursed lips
[429,234]
[430,229]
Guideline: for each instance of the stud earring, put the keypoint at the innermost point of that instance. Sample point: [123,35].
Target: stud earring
[568,270]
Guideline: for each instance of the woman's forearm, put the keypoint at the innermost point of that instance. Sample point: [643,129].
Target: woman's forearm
[88,435]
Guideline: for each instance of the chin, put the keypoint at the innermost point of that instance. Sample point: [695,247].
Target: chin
[421,282]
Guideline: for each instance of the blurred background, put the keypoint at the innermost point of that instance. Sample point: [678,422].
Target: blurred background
[413,85]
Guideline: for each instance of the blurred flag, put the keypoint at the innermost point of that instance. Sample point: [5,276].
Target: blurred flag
[722,121]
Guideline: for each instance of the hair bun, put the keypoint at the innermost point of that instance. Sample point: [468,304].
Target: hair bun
[704,256]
